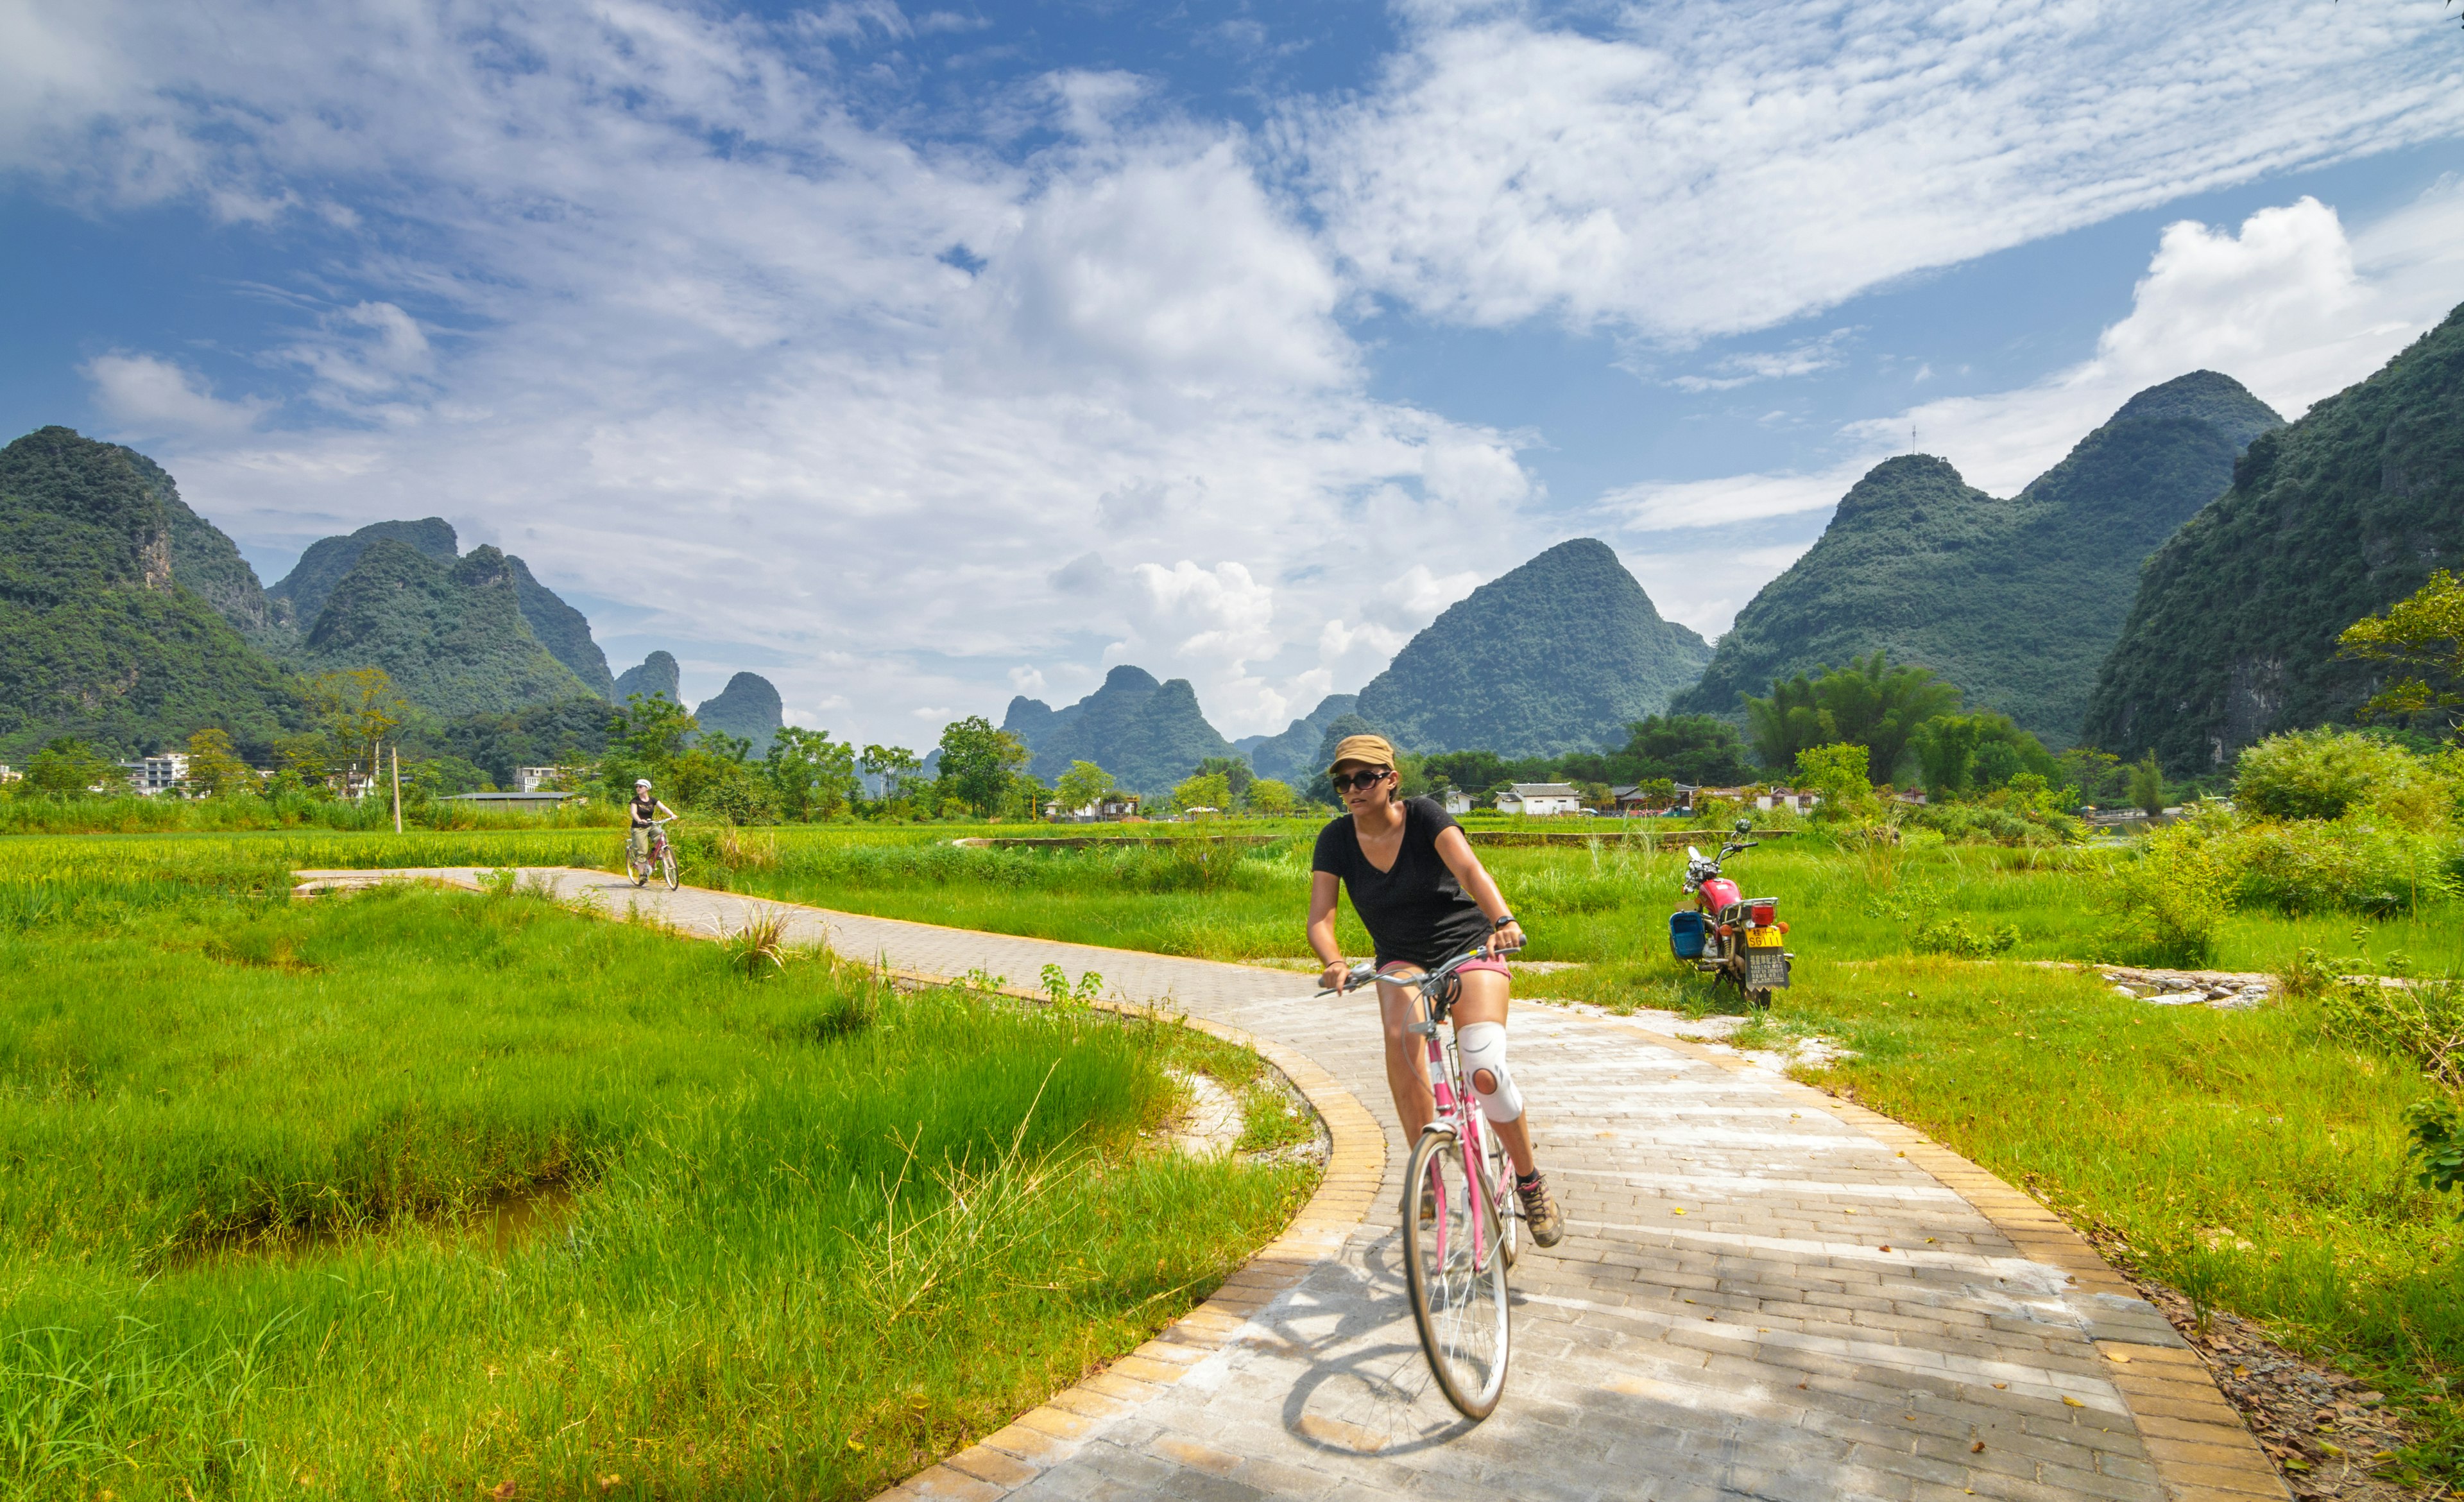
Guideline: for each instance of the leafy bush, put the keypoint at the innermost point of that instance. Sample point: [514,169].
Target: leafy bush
[2315,866]
[2175,897]
[1951,936]
[2319,774]
[2437,1144]
[2423,1023]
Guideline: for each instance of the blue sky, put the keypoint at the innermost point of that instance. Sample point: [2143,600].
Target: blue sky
[914,357]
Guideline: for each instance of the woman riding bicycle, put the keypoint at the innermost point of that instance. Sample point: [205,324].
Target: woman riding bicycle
[1424,898]
[647,810]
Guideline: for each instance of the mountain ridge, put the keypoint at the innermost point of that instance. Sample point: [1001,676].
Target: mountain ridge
[2016,601]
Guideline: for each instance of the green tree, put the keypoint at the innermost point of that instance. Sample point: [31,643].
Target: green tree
[355,711]
[1236,772]
[1271,798]
[1206,790]
[1466,768]
[1980,752]
[1081,786]
[1839,774]
[1698,750]
[645,738]
[810,775]
[1868,703]
[68,769]
[2424,636]
[2147,785]
[893,767]
[2097,775]
[978,761]
[214,769]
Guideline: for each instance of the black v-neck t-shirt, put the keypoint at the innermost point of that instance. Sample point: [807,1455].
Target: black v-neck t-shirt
[1416,911]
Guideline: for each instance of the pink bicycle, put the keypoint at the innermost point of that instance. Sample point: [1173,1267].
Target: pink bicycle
[1459,1213]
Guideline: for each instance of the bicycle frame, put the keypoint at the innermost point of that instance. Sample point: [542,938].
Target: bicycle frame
[1456,1114]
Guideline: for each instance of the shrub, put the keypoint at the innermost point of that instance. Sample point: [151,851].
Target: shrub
[2177,894]
[2422,1022]
[2314,866]
[2319,774]
[1951,936]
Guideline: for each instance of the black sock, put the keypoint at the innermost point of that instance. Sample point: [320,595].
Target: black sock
[1527,1182]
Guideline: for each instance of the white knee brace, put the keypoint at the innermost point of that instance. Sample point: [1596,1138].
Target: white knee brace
[1482,1045]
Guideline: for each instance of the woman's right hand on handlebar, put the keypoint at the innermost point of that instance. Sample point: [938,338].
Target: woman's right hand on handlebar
[1335,976]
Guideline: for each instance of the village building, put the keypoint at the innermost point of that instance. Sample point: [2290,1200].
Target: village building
[535,779]
[158,774]
[1457,802]
[1540,800]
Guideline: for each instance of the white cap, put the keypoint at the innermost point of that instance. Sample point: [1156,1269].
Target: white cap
[640,781]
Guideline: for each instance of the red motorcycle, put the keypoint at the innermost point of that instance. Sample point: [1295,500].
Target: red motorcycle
[1738,939]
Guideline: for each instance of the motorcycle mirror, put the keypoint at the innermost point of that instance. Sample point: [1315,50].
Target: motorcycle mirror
[1691,854]
[1745,825]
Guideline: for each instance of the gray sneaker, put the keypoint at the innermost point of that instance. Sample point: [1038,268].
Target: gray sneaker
[1540,1213]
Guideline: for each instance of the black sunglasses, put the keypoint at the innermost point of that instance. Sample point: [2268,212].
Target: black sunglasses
[1359,782]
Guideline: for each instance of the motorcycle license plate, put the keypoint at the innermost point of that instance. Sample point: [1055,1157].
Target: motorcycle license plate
[1765,970]
[1762,938]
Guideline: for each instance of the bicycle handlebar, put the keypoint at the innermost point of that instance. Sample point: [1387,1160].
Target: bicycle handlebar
[1366,971]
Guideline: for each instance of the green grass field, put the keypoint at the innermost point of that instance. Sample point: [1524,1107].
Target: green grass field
[2254,1158]
[423,1193]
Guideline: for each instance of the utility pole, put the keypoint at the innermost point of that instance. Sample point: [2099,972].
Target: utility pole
[397,790]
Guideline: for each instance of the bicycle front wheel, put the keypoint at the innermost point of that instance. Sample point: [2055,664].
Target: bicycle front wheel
[1454,1263]
[1501,1175]
[667,868]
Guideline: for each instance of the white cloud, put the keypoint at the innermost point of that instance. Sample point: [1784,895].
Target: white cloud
[1805,357]
[1026,680]
[2288,303]
[151,396]
[655,295]
[1702,168]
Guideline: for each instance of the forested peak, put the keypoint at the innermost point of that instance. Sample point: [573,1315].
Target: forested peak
[654,676]
[1558,655]
[328,559]
[110,525]
[1903,487]
[1127,678]
[2205,396]
[485,568]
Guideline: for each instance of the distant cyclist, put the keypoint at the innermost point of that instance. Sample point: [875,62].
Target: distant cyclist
[1424,898]
[647,810]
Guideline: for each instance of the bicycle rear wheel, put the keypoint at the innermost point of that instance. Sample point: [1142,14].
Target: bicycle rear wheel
[1456,1272]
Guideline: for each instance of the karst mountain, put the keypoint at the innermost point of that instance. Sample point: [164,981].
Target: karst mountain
[1560,654]
[2014,601]
[2232,633]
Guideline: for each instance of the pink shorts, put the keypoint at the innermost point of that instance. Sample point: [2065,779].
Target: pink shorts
[1465,969]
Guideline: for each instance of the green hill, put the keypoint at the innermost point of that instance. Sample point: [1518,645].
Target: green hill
[2014,601]
[300,599]
[1148,734]
[2233,635]
[305,589]
[654,674]
[209,563]
[1557,655]
[748,707]
[105,640]
[449,630]
[1291,756]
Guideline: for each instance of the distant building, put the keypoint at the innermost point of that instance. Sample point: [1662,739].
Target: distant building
[9,774]
[1110,808]
[535,779]
[1791,798]
[158,774]
[1636,801]
[1457,801]
[1539,800]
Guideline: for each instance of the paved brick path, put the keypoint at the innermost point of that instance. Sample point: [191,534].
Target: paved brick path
[1763,1294]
